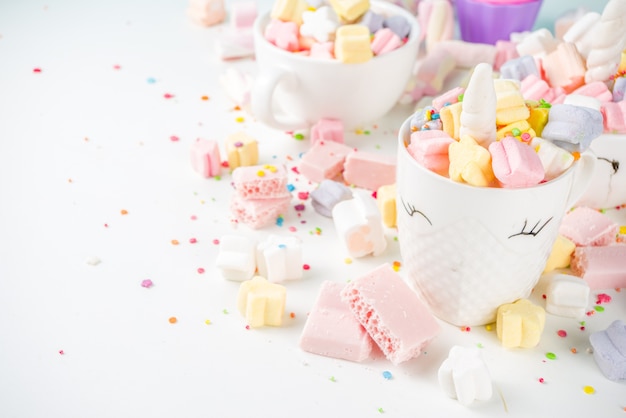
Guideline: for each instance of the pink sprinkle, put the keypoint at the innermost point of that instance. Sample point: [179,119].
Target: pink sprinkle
[174,138]
[303,195]
[61,352]
[200,270]
[603,298]
[292,229]
[306,267]
[225,164]
[216,241]
[117,67]
[192,240]
[147,283]
[562,333]
[299,207]
[37,70]
[295,169]
[541,380]
[247,326]
[168,95]
[193,217]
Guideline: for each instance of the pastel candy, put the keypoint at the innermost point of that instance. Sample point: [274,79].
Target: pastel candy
[320,24]
[519,68]
[468,54]
[430,149]
[261,302]
[470,163]
[479,107]
[327,195]
[237,85]
[234,44]
[425,119]
[324,160]
[436,17]
[288,10]
[588,227]
[350,10]
[279,258]
[597,89]
[505,51]
[257,213]
[535,88]
[520,324]
[373,21]
[619,89]
[369,170]
[538,43]
[565,67]
[432,70]
[573,127]
[352,44]
[243,14]
[241,150]
[283,34]
[581,32]
[392,313]
[510,104]
[515,164]
[521,129]
[561,254]
[386,202]
[608,42]
[614,117]
[609,350]
[327,129]
[236,258]
[359,226]
[398,25]
[601,267]
[555,160]
[451,119]
[583,100]
[538,118]
[449,97]
[323,50]
[567,296]
[385,40]
[206,12]
[331,330]
[205,158]
[464,375]
[266,181]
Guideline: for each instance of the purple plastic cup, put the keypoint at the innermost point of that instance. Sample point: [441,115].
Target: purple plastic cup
[487,23]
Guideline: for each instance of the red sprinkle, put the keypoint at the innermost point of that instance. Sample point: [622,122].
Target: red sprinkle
[168,95]
[61,352]
[541,380]
[36,70]
[603,298]
[174,138]
[200,270]
[303,195]
[306,267]
[192,240]
[216,241]
[562,333]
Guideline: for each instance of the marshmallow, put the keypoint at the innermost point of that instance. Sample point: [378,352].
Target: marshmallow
[257,213]
[323,50]
[430,149]
[233,44]
[567,296]
[327,195]
[564,67]
[449,97]
[205,158]
[479,111]
[279,258]
[374,21]
[385,40]
[359,226]
[520,324]
[241,150]
[608,42]
[386,202]
[236,257]
[350,10]
[288,10]
[402,328]
[352,44]
[283,34]
[614,117]
[320,24]
[538,118]
[468,54]
[324,160]
[597,89]
[206,12]
[327,129]
[519,68]
[261,302]
[464,375]
[398,25]
[581,32]
[538,43]
[573,127]
[470,163]
[243,14]
[609,350]
[369,170]
[583,100]
[519,129]
[515,164]
[555,160]
[451,119]
[510,104]
[436,17]
[331,330]
[237,86]
[560,255]
[534,88]
[619,89]
[601,267]
[426,119]
[432,70]
[586,226]
[261,181]
[505,51]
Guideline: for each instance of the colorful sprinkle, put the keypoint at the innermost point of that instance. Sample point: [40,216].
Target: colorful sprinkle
[147,283]
[240,119]
[298,136]
[174,242]
[200,270]
[216,241]
[193,240]
[332,379]
[303,195]
[306,267]
[292,315]
[124,212]
[599,308]
[381,410]
[174,138]
[551,356]
[151,80]
[603,298]
[172,320]
[207,321]
[168,95]
[561,333]
[36,70]
[204,98]
[589,390]
[347,260]
[541,380]
[225,311]
[387,375]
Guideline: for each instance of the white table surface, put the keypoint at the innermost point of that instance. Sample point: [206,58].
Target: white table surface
[90,136]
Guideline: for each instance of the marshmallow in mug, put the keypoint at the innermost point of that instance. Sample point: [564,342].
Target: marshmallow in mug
[358,33]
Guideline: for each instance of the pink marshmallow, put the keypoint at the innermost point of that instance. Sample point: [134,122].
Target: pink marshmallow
[283,34]
[447,98]
[505,51]
[324,160]
[385,40]
[436,18]
[392,313]
[534,88]
[257,213]
[433,69]
[468,54]
[260,181]
[205,158]
[327,129]
[206,12]
[614,117]
[369,170]
[565,67]
[322,50]
[588,227]
[597,89]
[243,14]
[430,149]
[234,44]
[601,267]
[515,164]
[331,330]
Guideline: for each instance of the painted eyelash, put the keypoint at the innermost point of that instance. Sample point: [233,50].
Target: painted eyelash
[410,209]
[534,232]
[614,164]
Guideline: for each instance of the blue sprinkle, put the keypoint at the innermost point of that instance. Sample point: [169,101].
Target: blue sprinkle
[151,80]
[281,246]
[387,375]
[279,221]
[291,187]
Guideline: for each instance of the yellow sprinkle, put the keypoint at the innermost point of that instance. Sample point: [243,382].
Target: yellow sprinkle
[589,390]
[175,242]
[208,322]
[260,173]
[348,261]
[359,132]
[488,327]
[239,119]
[622,229]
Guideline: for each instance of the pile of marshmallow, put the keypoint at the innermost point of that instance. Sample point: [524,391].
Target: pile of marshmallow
[346,30]
[494,137]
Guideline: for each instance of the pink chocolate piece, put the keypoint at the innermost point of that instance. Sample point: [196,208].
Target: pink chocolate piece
[447,98]
[430,149]
[205,158]
[392,313]
[385,40]
[369,170]
[588,227]
[515,164]
[261,181]
[331,330]
[614,116]
[242,14]
[534,88]
[322,50]
[328,129]
[283,34]
[257,213]
[324,160]
[601,267]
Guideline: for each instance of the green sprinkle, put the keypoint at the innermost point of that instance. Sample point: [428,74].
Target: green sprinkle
[599,308]
[298,136]
[381,410]
[218,178]
[480,345]
[225,311]
[551,356]
[544,104]
[582,323]
[332,379]
[366,132]
[460,97]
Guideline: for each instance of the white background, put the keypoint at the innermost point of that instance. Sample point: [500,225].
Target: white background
[90,136]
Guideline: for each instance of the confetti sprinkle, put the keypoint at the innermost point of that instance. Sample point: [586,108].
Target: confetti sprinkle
[168,96]
[589,390]
[279,221]
[299,136]
[465,328]
[561,333]
[147,283]
[347,260]
[36,70]
[151,80]
[299,207]
[551,356]
[117,67]
[541,380]
[292,315]
[216,241]
[599,308]
[193,240]
[61,352]
[225,311]
[174,242]
[303,195]
[306,267]
[387,375]
[381,410]
[124,212]
[332,379]
[200,270]
[247,327]
[603,298]
[172,320]
[204,98]
[573,350]
[239,119]
[174,138]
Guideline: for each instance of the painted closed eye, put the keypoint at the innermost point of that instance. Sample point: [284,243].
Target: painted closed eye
[614,164]
[411,210]
[533,231]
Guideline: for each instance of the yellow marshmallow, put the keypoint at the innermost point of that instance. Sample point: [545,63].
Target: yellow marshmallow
[522,125]
[386,201]
[451,119]
[520,324]
[350,10]
[538,119]
[561,254]
[261,302]
[470,163]
[289,10]
[241,150]
[510,104]
[352,44]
